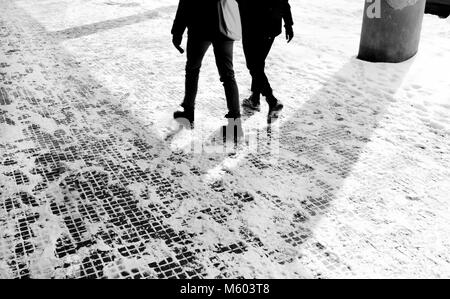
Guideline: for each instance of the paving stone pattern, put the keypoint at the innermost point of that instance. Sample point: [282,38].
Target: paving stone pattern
[91,185]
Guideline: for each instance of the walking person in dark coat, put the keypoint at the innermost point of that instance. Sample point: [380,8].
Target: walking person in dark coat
[201,18]
[262,22]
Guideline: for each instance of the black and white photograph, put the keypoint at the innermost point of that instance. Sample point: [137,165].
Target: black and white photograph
[204,141]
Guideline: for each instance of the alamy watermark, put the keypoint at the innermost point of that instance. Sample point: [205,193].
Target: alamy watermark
[373,10]
[258,137]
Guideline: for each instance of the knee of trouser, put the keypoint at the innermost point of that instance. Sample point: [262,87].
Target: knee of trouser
[192,70]
[257,70]
[227,76]
[252,65]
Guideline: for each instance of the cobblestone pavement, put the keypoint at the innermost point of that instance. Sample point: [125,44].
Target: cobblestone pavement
[95,182]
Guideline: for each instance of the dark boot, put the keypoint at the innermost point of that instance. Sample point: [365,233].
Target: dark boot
[275,106]
[252,102]
[185,118]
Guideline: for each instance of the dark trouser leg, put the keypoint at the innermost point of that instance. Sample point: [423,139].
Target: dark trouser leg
[195,52]
[223,50]
[256,50]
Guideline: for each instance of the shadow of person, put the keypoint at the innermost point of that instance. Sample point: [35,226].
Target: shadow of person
[82,162]
[319,144]
[347,109]
[107,187]
[330,132]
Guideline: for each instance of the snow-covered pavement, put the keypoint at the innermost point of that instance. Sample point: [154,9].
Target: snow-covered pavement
[352,181]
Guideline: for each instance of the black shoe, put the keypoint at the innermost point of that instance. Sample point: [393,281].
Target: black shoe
[185,118]
[275,107]
[252,102]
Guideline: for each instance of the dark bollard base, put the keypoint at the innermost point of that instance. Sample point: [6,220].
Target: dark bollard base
[395,36]
[383,57]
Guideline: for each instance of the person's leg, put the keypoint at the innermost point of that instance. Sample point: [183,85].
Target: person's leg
[251,53]
[265,45]
[256,50]
[195,52]
[258,72]
[223,51]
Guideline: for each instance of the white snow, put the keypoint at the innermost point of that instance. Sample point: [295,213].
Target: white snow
[398,115]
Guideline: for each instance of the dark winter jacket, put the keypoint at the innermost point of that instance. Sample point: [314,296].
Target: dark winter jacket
[200,17]
[264,17]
